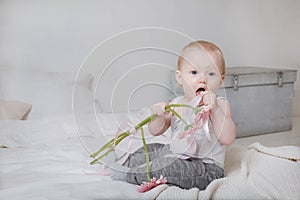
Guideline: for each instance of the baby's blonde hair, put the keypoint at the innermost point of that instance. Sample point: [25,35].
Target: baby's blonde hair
[210,48]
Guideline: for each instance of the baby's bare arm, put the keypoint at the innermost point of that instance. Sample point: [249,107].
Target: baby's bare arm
[161,123]
[223,124]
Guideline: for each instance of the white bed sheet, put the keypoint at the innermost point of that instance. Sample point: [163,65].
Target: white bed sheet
[46,159]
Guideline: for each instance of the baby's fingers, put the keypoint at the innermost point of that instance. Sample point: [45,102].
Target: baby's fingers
[210,99]
[158,109]
[203,95]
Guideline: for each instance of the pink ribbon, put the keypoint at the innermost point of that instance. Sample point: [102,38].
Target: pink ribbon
[131,136]
[202,118]
[201,121]
[117,135]
[132,131]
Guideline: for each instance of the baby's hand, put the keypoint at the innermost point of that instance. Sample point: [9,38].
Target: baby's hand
[209,99]
[159,108]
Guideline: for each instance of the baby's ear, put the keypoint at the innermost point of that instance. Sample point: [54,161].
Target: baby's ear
[178,77]
[222,78]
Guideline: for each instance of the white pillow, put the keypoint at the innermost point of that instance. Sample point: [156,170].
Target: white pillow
[49,93]
[13,110]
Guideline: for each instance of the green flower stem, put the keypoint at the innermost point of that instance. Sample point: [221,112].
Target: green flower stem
[106,153]
[127,133]
[113,142]
[147,155]
[177,115]
[110,145]
[145,121]
[111,148]
[180,105]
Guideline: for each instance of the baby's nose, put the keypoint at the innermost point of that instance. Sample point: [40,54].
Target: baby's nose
[201,78]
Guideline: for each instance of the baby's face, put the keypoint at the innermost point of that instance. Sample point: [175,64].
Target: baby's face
[198,73]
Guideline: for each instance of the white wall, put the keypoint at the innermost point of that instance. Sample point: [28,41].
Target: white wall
[59,34]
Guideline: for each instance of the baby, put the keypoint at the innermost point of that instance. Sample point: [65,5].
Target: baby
[201,71]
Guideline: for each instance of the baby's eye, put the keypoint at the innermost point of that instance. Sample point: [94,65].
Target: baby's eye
[193,72]
[211,73]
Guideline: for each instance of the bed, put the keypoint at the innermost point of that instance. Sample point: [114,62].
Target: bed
[45,155]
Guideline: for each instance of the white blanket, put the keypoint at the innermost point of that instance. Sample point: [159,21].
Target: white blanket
[46,160]
[256,172]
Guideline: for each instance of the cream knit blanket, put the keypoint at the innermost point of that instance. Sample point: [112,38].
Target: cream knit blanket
[256,172]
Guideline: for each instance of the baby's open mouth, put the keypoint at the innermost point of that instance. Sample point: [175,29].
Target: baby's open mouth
[199,90]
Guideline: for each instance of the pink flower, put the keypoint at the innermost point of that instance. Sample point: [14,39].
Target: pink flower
[203,114]
[191,130]
[201,121]
[146,186]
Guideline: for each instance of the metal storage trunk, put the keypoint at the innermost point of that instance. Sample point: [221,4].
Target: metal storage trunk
[261,98]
